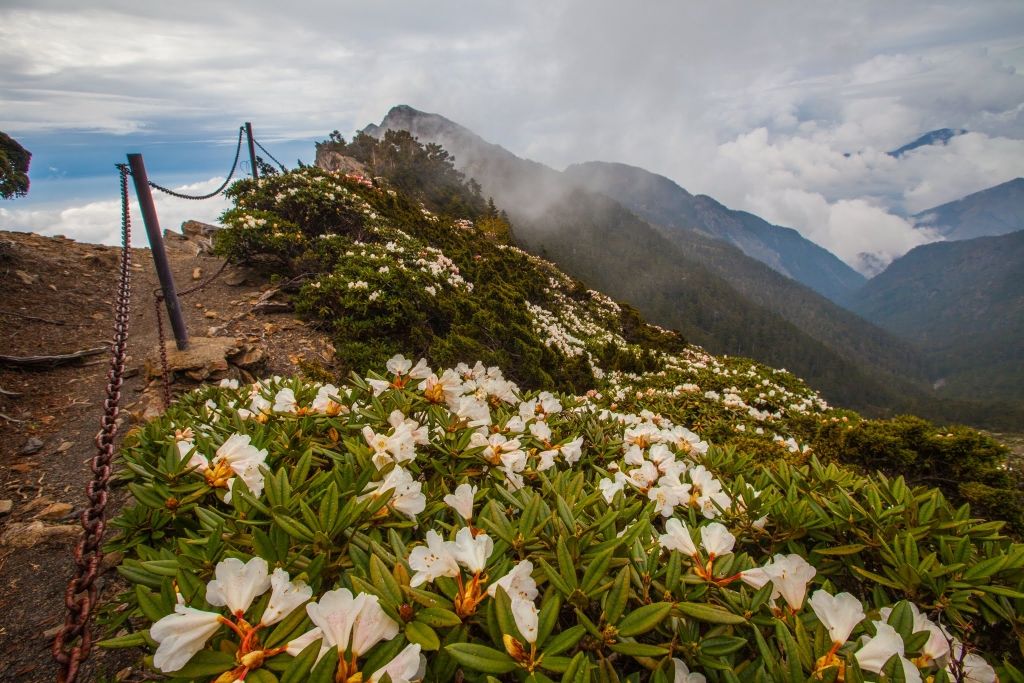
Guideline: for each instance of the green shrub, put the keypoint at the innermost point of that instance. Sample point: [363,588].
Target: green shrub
[337,490]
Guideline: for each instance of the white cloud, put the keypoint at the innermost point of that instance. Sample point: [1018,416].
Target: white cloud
[754,104]
[99,221]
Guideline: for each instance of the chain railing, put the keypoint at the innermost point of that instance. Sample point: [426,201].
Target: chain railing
[74,641]
[264,149]
[231,173]
[81,596]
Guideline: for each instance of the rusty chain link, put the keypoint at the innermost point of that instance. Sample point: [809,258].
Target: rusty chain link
[234,165]
[74,640]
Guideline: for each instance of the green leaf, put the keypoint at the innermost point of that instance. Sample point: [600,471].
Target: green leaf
[596,571]
[428,599]
[563,641]
[709,613]
[206,663]
[720,646]
[260,676]
[302,664]
[137,639]
[438,617]
[841,549]
[383,581]
[324,670]
[548,617]
[615,600]
[555,579]
[789,648]
[294,528]
[150,605]
[422,635]
[638,649]
[643,619]
[576,665]
[566,567]
[481,658]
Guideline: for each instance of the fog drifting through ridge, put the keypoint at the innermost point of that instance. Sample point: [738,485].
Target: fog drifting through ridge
[753,105]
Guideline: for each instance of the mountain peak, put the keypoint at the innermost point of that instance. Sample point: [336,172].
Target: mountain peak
[995,211]
[938,137]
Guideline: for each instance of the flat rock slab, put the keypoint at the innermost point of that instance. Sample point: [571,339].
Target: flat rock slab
[204,356]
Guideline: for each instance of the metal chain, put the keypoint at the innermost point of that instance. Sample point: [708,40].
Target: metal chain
[158,298]
[271,156]
[82,592]
[234,165]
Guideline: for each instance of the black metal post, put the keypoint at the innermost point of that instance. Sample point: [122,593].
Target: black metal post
[156,243]
[252,152]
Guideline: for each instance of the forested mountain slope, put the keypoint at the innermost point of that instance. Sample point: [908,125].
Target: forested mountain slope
[662,201]
[996,211]
[963,303]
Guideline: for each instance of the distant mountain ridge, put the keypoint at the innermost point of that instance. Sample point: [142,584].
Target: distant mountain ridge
[963,303]
[934,137]
[661,200]
[719,297]
[996,211]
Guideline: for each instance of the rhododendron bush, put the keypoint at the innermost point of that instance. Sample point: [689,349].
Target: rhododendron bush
[385,275]
[445,524]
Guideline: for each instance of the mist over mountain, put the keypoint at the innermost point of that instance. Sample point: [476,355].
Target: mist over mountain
[963,304]
[683,278]
[996,211]
[661,200]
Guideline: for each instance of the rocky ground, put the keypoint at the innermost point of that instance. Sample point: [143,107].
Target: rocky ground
[57,297]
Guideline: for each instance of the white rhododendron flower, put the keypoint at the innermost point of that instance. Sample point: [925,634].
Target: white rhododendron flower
[976,669]
[609,487]
[297,645]
[527,617]
[285,597]
[237,456]
[181,635]
[665,499]
[324,404]
[877,651]
[937,646]
[399,365]
[682,674]
[334,614]
[371,625]
[238,584]
[284,401]
[462,500]
[407,494]
[716,539]
[432,560]
[840,614]
[518,583]
[470,551]
[408,665]
[790,575]
[677,537]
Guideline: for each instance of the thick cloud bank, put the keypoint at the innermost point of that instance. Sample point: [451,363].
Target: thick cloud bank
[784,109]
[99,221]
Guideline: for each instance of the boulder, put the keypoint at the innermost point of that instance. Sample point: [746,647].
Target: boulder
[26,535]
[332,161]
[203,356]
[197,229]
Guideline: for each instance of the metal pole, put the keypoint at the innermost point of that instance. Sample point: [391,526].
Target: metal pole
[156,243]
[252,151]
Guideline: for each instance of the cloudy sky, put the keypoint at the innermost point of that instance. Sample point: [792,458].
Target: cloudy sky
[785,109]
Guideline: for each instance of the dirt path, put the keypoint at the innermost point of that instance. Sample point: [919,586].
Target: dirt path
[51,417]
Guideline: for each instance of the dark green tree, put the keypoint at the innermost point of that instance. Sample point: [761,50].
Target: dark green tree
[14,162]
